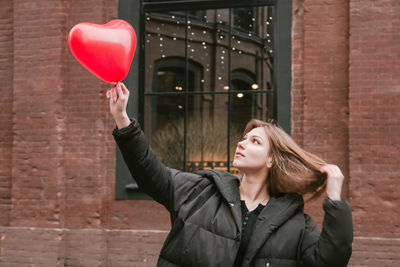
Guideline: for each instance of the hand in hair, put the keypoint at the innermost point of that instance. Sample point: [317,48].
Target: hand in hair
[334,181]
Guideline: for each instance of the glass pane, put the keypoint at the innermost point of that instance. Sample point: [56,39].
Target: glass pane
[207,42]
[246,106]
[266,66]
[165,63]
[221,50]
[171,77]
[196,45]
[164,128]
[243,18]
[252,60]
[207,132]
[192,14]
[188,52]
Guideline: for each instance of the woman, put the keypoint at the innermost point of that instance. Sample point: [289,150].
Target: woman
[257,220]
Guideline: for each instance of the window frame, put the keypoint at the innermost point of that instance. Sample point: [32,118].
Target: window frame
[134,12]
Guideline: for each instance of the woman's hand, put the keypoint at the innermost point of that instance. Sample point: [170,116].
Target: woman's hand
[119,96]
[334,181]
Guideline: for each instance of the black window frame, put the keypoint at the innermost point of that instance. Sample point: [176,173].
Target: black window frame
[134,12]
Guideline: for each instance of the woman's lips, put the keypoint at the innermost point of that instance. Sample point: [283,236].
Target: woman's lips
[238,154]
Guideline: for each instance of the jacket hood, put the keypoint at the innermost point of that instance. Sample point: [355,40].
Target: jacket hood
[279,208]
[227,183]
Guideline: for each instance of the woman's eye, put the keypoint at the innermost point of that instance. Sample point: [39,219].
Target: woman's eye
[256,142]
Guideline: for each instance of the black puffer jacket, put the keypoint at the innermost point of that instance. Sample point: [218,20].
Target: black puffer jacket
[206,217]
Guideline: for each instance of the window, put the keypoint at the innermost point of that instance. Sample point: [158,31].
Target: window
[207,68]
[243,19]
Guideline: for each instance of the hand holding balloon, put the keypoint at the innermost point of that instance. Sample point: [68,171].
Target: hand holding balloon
[119,96]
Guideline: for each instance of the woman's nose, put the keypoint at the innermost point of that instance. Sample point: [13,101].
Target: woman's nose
[240,145]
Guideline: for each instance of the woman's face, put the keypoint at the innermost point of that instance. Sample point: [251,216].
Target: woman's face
[252,151]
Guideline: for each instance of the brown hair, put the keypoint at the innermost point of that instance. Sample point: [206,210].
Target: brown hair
[293,169]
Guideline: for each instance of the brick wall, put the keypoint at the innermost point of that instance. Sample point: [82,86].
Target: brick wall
[23,246]
[375,116]
[86,141]
[375,251]
[6,96]
[89,153]
[346,107]
[37,113]
[320,83]
[57,161]
[57,155]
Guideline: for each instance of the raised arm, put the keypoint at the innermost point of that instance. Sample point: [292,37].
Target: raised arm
[333,245]
[167,186]
[151,175]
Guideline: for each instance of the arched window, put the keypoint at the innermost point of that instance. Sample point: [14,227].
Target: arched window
[169,77]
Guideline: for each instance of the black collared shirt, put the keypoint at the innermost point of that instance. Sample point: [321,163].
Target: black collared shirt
[249,218]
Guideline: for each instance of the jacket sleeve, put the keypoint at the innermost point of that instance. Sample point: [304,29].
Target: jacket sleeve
[333,245]
[167,186]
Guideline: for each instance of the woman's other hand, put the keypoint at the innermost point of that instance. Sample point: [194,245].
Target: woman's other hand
[118,96]
[334,181]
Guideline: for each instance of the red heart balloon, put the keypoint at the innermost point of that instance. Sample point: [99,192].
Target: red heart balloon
[106,50]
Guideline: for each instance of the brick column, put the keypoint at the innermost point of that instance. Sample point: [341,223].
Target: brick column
[6,96]
[38,114]
[325,118]
[375,117]
[90,148]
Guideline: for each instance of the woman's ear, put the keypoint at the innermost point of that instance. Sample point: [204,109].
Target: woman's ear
[269,162]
